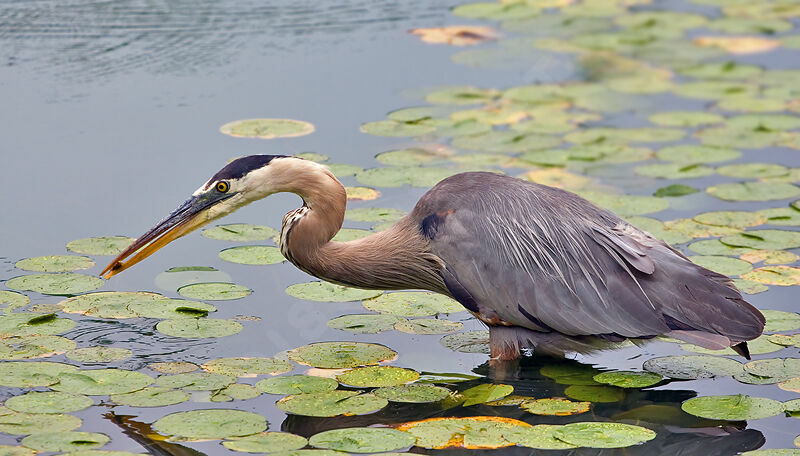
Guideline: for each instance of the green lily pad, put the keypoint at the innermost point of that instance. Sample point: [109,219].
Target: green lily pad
[252,254]
[733,219]
[196,381]
[770,122]
[781,216]
[603,435]
[29,324]
[739,138]
[496,11]
[607,135]
[343,169]
[65,441]
[555,406]
[415,393]
[753,170]
[99,354]
[715,90]
[373,214]
[174,367]
[749,25]
[413,304]
[419,113]
[21,423]
[351,234]
[55,263]
[777,321]
[297,384]
[428,326]
[505,141]
[461,95]
[394,128]
[337,355]
[267,128]
[413,157]
[692,153]
[758,346]
[540,436]
[361,193]
[8,450]
[266,442]
[658,230]
[749,287]
[751,104]
[362,440]
[628,379]
[467,341]
[243,232]
[48,402]
[690,367]
[12,300]
[730,70]
[214,291]
[570,374]
[198,327]
[210,424]
[106,245]
[377,376]
[247,367]
[595,393]
[754,191]
[485,392]
[235,391]
[365,323]
[715,247]
[674,170]
[152,396]
[734,407]
[785,340]
[764,240]
[313,156]
[119,304]
[329,292]
[331,403]
[32,374]
[625,205]
[26,347]
[608,153]
[778,369]
[101,382]
[685,118]
[674,190]
[724,265]
[793,384]
[694,229]
[775,275]
[397,176]
[63,283]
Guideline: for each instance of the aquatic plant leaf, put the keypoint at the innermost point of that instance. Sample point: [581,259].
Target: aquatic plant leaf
[749,287]
[362,440]
[106,245]
[475,432]
[685,118]
[11,300]
[364,323]
[198,327]
[603,435]
[734,219]
[731,70]
[674,190]
[485,392]
[738,44]
[152,396]
[628,379]
[749,103]
[394,128]
[413,304]
[373,214]
[331,403]
[101,382]
[416,393]
[779,321]
[467,341]
[506,141]
[361,193]
[715,247]
[196,381]
[235,391]
[734,407]
[55,263]
[377,376]
[350,234]
[690,367]
[754,191]
[792,385]
[247,367]
[496,11]
[737,137]
[35,346]
[757,346]
[785,340]
[62,283]
[456,35]
[607,135]
[747,25]
[775,275]
[21,423]
[625,205]
[214,291]
[210,424]
[297,384]
[674,170]
[267,128]
[65,441]
[99,354]
[174,367]
[48,402]
[693,153]
[337,355]
[764,240]
[540,436]
[31,374]
[329,292]
[397,176]
[778,369]
[121,304]
[252,254]
[343,169]
[266,442]
[783,216]
[8,450]
[240,232]
[30,324]
[428,326]
[753,170]
[414,157]
[724,265]
[555,406]
[658,230]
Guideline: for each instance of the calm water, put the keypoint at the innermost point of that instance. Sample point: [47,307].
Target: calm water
[110,117]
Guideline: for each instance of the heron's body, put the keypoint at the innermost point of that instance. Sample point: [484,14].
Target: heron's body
[542,267]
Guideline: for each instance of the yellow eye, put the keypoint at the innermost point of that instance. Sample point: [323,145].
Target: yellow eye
[222,186]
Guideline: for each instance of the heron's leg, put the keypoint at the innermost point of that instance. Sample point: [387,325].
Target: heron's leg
[504,343]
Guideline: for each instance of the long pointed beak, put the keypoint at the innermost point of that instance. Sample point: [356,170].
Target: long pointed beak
[189,216]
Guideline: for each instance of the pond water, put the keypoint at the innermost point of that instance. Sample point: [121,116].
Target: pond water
[111,117]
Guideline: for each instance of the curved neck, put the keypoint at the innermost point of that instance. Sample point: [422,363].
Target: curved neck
[396,258]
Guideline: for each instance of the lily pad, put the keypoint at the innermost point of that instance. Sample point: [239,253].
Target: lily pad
[331,403]
[63,283]
[196,381]
[740,138]
[214,291]
[377,376]
[361,193]
[120,304]
[476,432]
[749,287]
[99,354]
[351,234]
[65,441]
[21,423]
[101,382]
[692,367]
[297,384]
[733,219]
[685,118]
[363,440]
[13,300]
[55,263]
[26,347]
[754,191]
[235,391]
[8,450]
[785,340]
[428,326]
[415,393]
[674,170]
[778,369]
[603,435]
[485,392]
[595,393]
[198,327]
[397,176]
[467,341]
[31,374]
[337,355]
[540,436]
[462,95]
[247,367]
[506,141]
[724,265]
[394,128]
[764,239]
[153,396]
[266,442]
[267,128]
[753,170]
[210,424]
[48,402]
[781,216]
[252,254]
[373,214]
[625,205]
[607,135]
[734,407]
[628,379]
[758,346]
[496,11]
[29,324]
[775,275]
[692,153]
[174,367]
[555,406]
[674,190]
[106,245]
[329,292]
[414,157]
[570,374]
[779,321]
[243,232]
[413,304]
[365,323]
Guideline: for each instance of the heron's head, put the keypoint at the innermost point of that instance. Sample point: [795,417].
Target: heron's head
[239,183]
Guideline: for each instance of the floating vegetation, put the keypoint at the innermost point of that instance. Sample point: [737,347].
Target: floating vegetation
[428,326]
[198,328]
[54,263]
[734,408]
[196,381]
[413,304]
[328,292]
[21,423]
[65,441]
[48,402]
[34,346]
[555,406]
[337,355]
[603,435]
[267,128]
[99,354]
[64,283]
[362,440]
[692,367]
[377,376]
[101,382]
[297,384]
[365,323]
[210,424]
[107,245]
[214,291]
[121,304]
[252,254]
[628,379]
[332,403]
[266,442]
[467,341]
[153,396]
[416,393]
[373,214]
[243,232]
[247,367]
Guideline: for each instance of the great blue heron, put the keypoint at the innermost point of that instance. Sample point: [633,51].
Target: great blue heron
[542,267]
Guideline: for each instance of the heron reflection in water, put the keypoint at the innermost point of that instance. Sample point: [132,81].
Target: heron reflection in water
[542,267]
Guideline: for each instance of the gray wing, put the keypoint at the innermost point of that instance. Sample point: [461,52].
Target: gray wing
[545,259]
